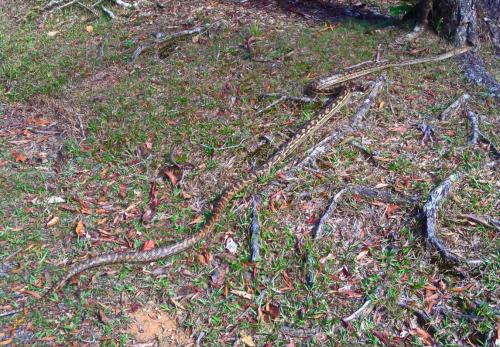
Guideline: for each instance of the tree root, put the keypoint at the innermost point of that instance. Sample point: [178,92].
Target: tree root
[436,197]
[324,145]
[365,192]
[454,107]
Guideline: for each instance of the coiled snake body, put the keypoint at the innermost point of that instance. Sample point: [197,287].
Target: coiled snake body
[321,85]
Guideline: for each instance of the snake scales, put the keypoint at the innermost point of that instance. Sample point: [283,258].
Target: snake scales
[319,86]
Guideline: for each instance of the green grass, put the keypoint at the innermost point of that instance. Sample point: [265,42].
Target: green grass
[202,99]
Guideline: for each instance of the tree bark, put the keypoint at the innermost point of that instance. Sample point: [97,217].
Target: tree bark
[455,19]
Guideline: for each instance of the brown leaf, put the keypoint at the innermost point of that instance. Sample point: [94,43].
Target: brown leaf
[41,122]
[382,336]
[399,129]
[34,294]
[250,41]
[219,276]
[89,28]
[170,173]
[424,335]
[6,342]
[52,221]
[247,340]
[185,195]
[196,220]
[148,245]
[350,293]
[123,190]
[102,316]
[149,213]
[80,229]
[19,157]
[204,258]
[391,209]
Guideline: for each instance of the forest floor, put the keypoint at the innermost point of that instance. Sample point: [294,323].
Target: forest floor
[87,136]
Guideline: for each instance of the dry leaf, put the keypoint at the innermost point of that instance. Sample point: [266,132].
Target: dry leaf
[219,276]
[185,195]
[123,191]
[391,209]
[242,294]
[19,157]
[102,316]
[41,122]
[80,229]
[34,294]
[196,220]
[89,28]
[52,221]
[381,105]
[399,129]
[424,335]
[169,172]
[362,254]
[52,33]
[231,246]
[148,245]
[247,340]
[195,39]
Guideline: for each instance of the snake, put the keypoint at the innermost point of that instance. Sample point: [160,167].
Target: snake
[320,85]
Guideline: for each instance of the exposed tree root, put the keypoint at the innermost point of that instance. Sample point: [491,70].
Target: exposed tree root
[364,310]
[365,192]
[475,71]
[254,233]
[438,194]
[474,128]
[454,107]
[324,145]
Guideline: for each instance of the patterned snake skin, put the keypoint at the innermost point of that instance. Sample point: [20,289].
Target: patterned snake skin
[162,252]
[319,86]
[324,85]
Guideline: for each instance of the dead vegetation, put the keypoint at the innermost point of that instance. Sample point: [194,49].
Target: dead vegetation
[109,132]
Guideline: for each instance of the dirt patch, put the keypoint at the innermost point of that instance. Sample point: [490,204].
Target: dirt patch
[150,324]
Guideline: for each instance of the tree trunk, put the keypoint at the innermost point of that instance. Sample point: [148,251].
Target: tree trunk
[455,19]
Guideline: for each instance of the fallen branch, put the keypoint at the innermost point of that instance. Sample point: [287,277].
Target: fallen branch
[364,310]
[474,127]
[254,233]
[436,197]
[317,231]
[123,4]
[454,107]
[108,12]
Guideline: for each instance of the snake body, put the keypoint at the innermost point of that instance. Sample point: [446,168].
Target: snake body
[321,85]
[217,211]
[324,85]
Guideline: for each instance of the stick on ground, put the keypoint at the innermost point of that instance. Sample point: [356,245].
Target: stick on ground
[437,196]
[454,107]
